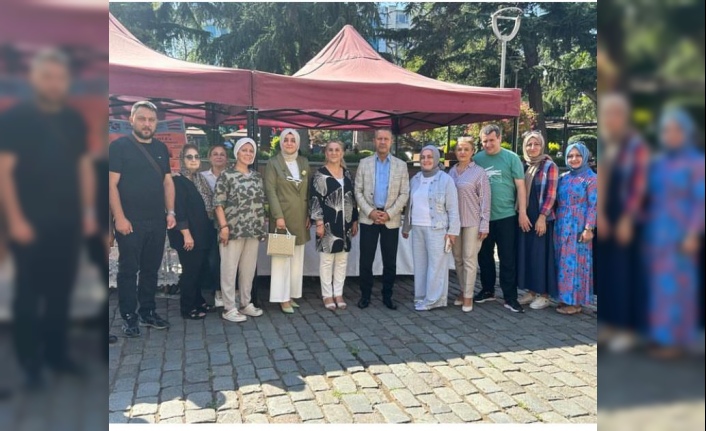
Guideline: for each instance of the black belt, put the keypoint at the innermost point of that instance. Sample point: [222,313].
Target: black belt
[380,209]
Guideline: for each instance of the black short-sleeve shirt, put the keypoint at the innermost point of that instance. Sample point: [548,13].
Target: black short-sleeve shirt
[48,147]
[141,187]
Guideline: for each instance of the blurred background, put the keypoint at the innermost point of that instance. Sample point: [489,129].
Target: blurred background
[650,258]
[78,28]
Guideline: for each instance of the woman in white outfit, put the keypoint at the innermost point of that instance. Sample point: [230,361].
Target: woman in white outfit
[334,210]
[239,203]
[432,214]
[287,189]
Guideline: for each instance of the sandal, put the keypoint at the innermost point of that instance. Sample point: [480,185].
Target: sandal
[207,308]
[569,310]
[194,314]
[329,304]
[293,304]
[340,303]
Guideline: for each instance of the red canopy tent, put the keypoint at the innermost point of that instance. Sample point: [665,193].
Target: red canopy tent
[138,71]
[349,85]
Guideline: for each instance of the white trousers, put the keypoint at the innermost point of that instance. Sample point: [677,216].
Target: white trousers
[465,251]
[287,276]
[431,267]
[238,257]
[332,271]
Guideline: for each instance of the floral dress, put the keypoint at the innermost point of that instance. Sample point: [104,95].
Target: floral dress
[334,204]
[576,208]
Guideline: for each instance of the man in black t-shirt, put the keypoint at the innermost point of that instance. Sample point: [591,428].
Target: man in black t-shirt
[47,188]
[141,191]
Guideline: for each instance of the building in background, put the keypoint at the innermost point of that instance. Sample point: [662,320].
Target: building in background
[392,17]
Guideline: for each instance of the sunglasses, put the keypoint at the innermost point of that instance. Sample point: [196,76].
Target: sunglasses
[191,157]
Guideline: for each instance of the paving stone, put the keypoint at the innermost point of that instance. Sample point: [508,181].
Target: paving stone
[463,387]
[447,395]
[520,378]
[277,406]
[416,385]
[317,383]
[365,380]
[448,418]
[569,379]
[553,418]
[568,408]
[198,400]
[256,419]
[390,381]
[405,398]
[337,414]
[521,415]
[273,389]
[148,419]
[119,401]
[448,373]
[487,386]
[368,418]
[465,412]
[117,418]
[357,403]
[327,397]
[227,400]
[253,403]
[303,394]
[502,399]
[482,404]
[171,409]
[308,410]
[532,403]
[200,416]
[344,385]
[392,413]
[500,418]
[229,417]
[434,404]
[141,409]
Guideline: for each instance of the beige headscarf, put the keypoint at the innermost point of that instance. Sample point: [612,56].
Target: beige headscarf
[297,139]
[534,163]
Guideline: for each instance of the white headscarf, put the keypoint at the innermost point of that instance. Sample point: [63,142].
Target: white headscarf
[239,144]
[297,139]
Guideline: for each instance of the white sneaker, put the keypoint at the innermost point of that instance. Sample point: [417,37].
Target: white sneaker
[527,298]
[540,303]
[251,311]
[234,316]
[467,309]
[218,299]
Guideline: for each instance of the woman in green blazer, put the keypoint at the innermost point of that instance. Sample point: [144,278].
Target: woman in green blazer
[287,189]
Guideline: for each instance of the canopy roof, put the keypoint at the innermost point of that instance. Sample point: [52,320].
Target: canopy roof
[136,70]
[349,85]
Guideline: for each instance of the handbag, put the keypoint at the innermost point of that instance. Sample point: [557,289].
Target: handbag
[280,244]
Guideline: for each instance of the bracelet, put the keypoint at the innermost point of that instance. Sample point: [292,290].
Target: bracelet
[223,227]
[171,213]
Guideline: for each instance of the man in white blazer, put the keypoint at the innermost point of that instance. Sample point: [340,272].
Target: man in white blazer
[381,190]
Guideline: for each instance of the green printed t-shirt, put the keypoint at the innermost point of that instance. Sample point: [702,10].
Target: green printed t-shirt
[502,170]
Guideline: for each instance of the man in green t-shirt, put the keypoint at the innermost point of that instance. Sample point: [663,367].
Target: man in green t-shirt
[507,190]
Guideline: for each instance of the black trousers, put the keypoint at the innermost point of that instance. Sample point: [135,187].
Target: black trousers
[45,274]
[369,235]
[98,255]
[210,278]
[502,233]
[192,263]
[142,251]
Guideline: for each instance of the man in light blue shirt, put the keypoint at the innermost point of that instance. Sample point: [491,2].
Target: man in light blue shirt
[382,180]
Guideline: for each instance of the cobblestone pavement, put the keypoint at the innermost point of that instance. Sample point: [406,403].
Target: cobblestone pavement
[361,366]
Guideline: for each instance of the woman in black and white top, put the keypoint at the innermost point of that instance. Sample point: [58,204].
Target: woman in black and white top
[334,210]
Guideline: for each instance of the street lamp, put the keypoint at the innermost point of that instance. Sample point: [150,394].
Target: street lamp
[505,38]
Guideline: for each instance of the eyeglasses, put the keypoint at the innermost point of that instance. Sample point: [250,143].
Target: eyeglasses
[191,157]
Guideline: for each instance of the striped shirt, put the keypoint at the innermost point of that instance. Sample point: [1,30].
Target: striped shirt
[473,196]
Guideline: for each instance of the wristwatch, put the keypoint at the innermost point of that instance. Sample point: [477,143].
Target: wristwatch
[171,213]
[589,228]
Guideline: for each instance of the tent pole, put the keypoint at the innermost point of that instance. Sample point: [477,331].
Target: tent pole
[252,128]
[448,140]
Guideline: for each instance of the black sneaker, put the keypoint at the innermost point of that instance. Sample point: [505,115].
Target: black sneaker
[484,296]
[151,318]
[514,306]
[130,326]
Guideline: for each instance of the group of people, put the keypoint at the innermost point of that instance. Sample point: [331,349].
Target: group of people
[542,224]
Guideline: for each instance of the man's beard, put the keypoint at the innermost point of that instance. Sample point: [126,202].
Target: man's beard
[144,135]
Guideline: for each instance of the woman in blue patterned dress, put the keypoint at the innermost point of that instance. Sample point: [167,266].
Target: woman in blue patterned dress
[573,232]
[674,226]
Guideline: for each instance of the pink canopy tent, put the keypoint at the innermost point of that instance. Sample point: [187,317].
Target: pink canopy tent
[349,85]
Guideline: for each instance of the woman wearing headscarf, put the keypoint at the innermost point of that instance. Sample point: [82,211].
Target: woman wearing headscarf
[239,202]
[192,233]
[287,189]
[432,214]
[473,188]
[675,224]
[573,231]
[334,210]
[536,266]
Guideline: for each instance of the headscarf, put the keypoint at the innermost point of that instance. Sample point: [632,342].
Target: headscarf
[585,154]
[685,123]
[199,181]
[297,139]
[435,156]
[534,163]
[239,144]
